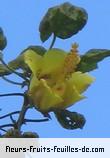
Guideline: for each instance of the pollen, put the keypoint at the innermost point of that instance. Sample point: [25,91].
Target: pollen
[71,60]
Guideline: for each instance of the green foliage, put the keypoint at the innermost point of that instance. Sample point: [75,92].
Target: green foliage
[3,40]
[89,61]
[14,64]
[38,49]
[30,135]
[70,120]
[14,133]
[64,21]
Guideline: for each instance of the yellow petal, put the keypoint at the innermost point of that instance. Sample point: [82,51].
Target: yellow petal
[59,88]
[34,83]
[71,95]
[53,62]
[44,98]
[33,60]
[81,81]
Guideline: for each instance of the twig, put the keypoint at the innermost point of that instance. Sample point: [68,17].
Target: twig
[13,121]
[53,41]
[12,94]
[10,81]
[22,113]
[32,120]
[7,125]
[10,114]
[10,69]
[3,130]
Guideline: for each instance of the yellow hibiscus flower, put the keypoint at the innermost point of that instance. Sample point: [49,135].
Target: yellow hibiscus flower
[54,83]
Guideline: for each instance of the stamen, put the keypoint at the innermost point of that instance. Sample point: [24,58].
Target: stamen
[71,60]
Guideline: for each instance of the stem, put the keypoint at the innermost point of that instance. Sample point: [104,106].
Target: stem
[3,130]
[10,69]
[22,113]
[10,114]
[7,125]
[30,120]
[53,42]
[12,82]
[12,94]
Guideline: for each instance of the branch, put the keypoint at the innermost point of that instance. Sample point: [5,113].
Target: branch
[53,41]
[13,71]
[10,81]
[12,94]
[22,113]
[32,120]
[10,114]
[3,130]
[7,125]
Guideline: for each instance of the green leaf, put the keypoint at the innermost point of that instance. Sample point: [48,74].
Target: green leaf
[30,135]
[89,61]
[70,120]
[12,133]
[38,49]
[14,64]
[3,40]
[64,21]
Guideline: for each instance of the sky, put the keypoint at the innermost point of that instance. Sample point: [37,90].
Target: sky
[20,22]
